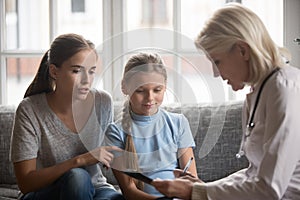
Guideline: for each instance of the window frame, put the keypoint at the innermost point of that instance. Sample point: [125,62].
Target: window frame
[113,24]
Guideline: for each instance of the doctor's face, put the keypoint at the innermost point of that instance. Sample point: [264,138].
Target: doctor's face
[233,65]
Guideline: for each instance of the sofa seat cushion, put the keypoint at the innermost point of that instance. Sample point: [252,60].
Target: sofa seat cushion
[9,191]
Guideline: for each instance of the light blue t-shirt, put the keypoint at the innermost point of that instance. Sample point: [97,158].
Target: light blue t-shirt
[157,139]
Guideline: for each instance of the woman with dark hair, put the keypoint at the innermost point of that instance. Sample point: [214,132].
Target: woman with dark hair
[59,125]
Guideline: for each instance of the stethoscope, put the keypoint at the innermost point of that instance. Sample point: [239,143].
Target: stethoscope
[251,124]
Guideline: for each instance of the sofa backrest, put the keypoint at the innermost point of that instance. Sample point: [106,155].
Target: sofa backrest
[218,136]
[7,175]
[216,128]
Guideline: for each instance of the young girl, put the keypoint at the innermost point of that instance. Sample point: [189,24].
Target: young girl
[155,141]
[59,127]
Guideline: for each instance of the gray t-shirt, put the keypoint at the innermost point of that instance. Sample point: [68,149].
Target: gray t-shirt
[39,133]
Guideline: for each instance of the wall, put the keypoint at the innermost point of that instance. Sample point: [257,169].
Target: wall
[291,16]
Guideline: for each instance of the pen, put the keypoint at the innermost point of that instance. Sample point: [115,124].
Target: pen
[187,166]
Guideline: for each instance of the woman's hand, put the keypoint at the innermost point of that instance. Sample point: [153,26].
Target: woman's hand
[180,188]
[178,173]
[101,154]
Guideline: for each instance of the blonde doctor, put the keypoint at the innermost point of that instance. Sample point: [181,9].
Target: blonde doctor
[244,54]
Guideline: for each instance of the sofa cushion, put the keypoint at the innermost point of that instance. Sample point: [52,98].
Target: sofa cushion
[221,129]
[7,175]
[217,130]
[9,191]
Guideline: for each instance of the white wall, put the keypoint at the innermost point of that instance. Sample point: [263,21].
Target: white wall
[292,29]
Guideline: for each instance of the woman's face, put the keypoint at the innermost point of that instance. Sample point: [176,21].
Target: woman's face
[75,77]
[233,65]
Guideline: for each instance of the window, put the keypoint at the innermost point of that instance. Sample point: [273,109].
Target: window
[119,29]
[154,12]
[26,36]
[78,6]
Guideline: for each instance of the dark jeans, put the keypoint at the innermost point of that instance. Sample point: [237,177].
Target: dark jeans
[75,184]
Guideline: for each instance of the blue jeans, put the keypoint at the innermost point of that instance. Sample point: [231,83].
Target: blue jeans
[75,184]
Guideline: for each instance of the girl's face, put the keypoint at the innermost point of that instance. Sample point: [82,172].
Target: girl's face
[233,66]
[75,77]
[146,92]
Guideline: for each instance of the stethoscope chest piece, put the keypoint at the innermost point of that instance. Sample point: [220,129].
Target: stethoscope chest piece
[250,126]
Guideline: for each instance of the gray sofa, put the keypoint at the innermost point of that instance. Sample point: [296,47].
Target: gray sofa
[216,129]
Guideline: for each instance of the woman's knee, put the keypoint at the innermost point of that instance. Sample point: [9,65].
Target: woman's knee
[78,180]
[77,175]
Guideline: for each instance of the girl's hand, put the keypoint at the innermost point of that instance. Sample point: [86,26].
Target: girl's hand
[180,188]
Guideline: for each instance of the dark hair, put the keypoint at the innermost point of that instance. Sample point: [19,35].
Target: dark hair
[61,49]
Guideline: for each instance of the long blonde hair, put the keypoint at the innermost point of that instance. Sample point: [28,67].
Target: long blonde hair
[150,62]
[234,23]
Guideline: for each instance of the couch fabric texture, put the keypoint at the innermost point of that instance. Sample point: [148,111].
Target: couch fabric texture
[217,133]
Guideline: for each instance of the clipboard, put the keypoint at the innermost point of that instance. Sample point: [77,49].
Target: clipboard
[139,176]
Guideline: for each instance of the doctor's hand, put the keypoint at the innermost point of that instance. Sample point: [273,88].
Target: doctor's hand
[178,173]
[180,188]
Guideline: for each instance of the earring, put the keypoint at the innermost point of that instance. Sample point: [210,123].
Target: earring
[53,83]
